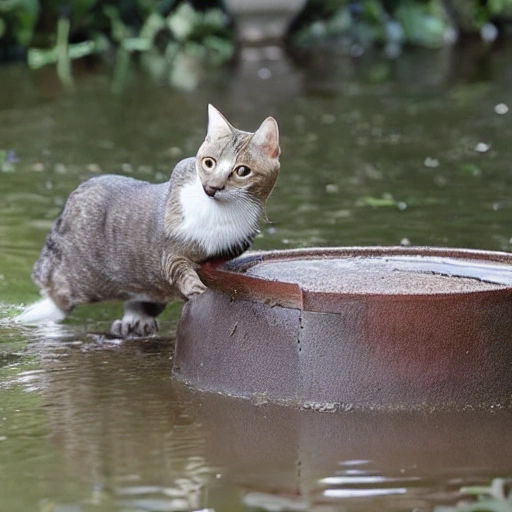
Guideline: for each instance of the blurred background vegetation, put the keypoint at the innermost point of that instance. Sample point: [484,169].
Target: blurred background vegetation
[43,32]
[428,23]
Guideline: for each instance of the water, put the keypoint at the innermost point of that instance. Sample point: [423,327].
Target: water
[404,275]
[373,152]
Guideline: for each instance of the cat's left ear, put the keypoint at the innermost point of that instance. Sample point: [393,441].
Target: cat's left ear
[267,137]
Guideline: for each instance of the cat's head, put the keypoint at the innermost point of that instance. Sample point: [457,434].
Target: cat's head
[231,162]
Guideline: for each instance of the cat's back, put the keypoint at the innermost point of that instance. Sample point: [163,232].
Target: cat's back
[97,220]
[113,191]
[109,219]
[110,199]
[110,207]
[108,188]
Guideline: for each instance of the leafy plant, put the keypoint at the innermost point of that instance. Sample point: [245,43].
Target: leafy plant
[428,23]
[425,23]
[495,497]
[17,23]
[163,29]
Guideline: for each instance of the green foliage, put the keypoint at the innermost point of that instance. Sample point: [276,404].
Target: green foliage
[427,23]
[115,19]
[173,45]
[424,24]
[57,31]
[493,498]
[73,29]
[497,7]
[17,20]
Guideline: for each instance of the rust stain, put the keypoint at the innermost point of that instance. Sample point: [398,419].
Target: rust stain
[250,335]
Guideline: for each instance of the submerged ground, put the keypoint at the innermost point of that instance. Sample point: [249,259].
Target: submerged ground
[374,152]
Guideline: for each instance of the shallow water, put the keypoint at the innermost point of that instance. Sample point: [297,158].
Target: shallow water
[374,152]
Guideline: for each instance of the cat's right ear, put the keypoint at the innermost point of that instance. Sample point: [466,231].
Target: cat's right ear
[218,125]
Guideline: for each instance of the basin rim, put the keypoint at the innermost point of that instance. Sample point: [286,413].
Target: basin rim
[229,276]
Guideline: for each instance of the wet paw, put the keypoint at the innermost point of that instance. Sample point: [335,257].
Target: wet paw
[135,326]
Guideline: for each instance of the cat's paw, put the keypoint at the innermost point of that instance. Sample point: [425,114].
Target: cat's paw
[132,325]
[192,286]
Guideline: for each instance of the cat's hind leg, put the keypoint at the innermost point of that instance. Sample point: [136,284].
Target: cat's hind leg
[139,319]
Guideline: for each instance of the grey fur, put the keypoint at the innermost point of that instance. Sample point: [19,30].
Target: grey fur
[117,239]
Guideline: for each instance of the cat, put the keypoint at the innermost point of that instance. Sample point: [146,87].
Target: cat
[118,238]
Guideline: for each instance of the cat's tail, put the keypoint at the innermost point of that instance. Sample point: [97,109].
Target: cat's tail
[41,312]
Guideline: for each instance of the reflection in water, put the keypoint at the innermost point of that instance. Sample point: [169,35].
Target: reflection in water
[139,441]
[132,439]
[374,152]
[119,426]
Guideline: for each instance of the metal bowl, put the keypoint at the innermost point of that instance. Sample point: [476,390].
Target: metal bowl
[341,328]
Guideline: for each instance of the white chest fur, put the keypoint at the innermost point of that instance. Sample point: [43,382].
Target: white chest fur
[216,225]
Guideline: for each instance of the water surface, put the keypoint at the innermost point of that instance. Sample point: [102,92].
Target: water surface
[374,152]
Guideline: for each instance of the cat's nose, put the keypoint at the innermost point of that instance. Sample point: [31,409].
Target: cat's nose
[210,190]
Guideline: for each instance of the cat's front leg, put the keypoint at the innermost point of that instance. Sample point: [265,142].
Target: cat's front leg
[182,274]
[189,284]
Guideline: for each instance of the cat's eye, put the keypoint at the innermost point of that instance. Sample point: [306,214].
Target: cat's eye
[243,171]
[208,163]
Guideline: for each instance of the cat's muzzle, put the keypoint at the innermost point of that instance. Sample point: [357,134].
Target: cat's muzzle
[211,191]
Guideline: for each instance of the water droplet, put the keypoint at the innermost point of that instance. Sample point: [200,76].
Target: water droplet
[482,147]
[489,32]
[264,73]
[175,151]
[451,35]
[94,168]
[501,109]
[431,162]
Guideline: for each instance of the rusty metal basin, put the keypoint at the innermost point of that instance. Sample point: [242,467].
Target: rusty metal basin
[343,328]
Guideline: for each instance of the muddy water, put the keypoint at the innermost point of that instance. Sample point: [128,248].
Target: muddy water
[373,152]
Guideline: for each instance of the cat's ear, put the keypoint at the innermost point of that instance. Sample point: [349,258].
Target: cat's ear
[267,137]
[218,125]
